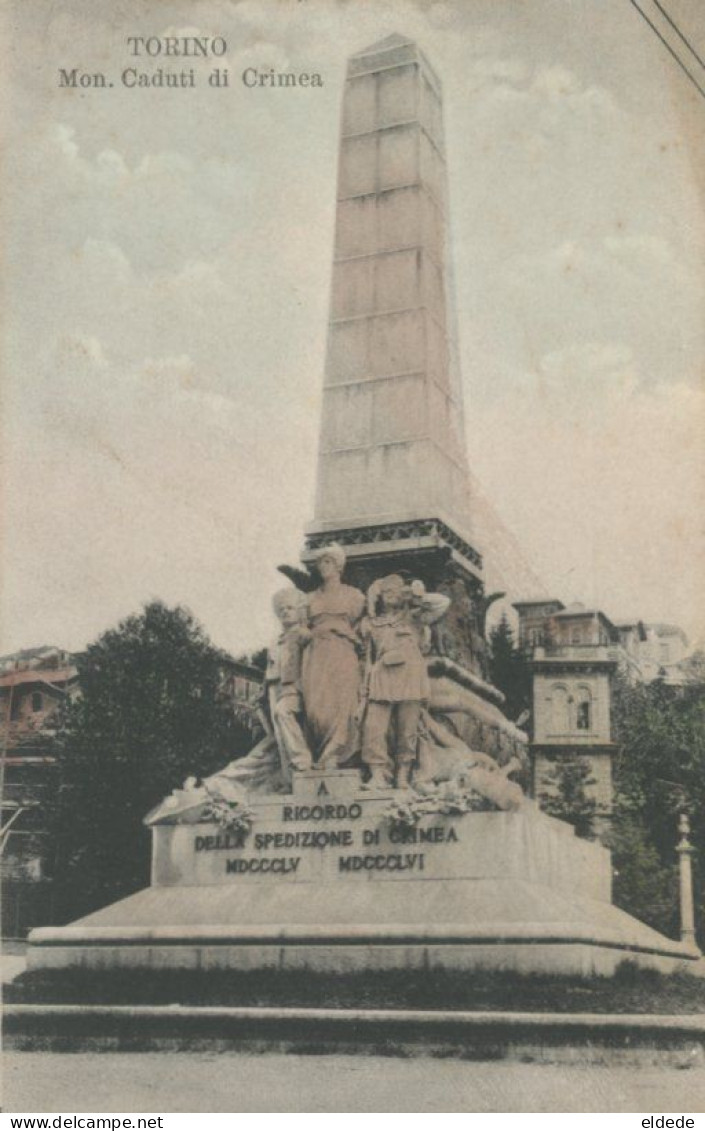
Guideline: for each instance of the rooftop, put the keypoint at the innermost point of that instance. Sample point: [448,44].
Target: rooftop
[51,677]
[530,601]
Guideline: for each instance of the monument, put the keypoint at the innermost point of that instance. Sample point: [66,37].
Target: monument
[378,824]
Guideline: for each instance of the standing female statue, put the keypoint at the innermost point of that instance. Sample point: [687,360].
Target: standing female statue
[331,670]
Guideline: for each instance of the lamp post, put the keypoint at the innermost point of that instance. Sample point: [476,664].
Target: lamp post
[685,852]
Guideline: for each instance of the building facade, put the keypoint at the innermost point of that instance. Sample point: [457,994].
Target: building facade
[575,653]
[34,684]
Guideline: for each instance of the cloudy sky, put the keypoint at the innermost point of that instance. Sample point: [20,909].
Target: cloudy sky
[169,258]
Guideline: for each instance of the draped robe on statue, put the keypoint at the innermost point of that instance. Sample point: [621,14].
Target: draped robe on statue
[331,673]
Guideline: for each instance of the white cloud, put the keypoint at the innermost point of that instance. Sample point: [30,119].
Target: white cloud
[614,514]
[63,137]
[590,376]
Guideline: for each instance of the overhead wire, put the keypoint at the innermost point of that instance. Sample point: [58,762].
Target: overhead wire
[668,47]
[679,33]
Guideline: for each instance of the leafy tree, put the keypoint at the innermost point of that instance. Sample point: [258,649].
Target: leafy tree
[509,669]
[257,659]
[565,793]
[152,711]
[642,884]
[659,770]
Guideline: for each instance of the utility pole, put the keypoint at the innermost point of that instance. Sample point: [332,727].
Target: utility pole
[685,852]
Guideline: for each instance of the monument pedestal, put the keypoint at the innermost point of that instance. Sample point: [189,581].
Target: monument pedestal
[325,881]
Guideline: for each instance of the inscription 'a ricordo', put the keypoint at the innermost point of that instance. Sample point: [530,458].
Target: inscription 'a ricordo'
[321,812]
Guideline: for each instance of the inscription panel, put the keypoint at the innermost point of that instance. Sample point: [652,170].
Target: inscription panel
[308,843]
[351,840]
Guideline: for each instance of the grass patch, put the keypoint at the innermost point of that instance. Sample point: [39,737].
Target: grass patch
[630,990]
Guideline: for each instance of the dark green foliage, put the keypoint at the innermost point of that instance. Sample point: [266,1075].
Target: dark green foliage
[258,659]
[659,770]
[566,793]
[642,884]
[151,713]
[509,669]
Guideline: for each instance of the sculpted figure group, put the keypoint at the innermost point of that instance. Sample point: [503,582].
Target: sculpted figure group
[347,678]
[348,673]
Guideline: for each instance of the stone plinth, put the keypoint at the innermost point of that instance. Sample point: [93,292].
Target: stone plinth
[323,881]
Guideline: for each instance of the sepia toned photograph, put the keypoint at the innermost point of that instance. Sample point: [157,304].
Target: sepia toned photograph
[353,609]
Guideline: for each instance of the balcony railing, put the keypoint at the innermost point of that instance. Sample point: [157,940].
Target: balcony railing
[585,652]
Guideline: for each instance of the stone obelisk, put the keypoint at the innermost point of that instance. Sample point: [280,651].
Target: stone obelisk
[393,485]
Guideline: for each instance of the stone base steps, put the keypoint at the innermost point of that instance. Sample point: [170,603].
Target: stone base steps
[539,1037]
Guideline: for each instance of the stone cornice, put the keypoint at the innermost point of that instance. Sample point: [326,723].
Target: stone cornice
[373,535]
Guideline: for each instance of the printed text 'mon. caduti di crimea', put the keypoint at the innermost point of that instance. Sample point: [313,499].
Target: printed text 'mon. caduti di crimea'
[157,69]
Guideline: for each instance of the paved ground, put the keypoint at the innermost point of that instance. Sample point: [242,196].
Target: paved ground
[237,1082]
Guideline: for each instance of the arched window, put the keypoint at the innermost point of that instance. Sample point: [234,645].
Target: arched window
[559,709]
[583,709]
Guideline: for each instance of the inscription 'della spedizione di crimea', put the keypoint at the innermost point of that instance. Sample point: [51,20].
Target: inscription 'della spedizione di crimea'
[303,853]
[375,844]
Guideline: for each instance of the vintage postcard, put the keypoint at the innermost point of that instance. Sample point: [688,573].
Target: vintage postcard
[353,614]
